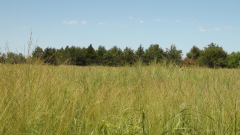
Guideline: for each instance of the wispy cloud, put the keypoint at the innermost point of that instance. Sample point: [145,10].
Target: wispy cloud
[101,23]
[202,29]
[141,21]
[70,22]
[217,29]
[130,17]
[159,20]
[84,22]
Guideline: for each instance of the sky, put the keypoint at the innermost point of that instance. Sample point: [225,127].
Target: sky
[121,23]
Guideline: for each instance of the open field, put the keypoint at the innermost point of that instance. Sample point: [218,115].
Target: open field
[38,99]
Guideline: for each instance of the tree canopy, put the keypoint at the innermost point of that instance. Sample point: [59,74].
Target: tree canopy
[212,56]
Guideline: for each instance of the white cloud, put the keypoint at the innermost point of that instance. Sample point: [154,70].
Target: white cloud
[202,29]
[70,22]
[178,21]
[159,20]
[141,21]
[130,17]
[102,23]
[217,29]
[84,22]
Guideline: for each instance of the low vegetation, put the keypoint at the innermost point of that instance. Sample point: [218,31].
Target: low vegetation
[154,99]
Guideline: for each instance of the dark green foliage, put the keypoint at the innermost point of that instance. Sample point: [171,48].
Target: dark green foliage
[3,57]
[234,60]
[211,56]
[194,53]
[49,56]
[214,56]
[140,52]
[128,56]
[100,52]
[37,53]
[153,52]
[81,56]
[71,56]
[113,57]
[21,58]
[108,59]
[14,58]
[76,55]
[90,55]
[62,57]
[173,55]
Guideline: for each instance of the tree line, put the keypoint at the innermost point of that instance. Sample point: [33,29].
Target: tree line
[212,56]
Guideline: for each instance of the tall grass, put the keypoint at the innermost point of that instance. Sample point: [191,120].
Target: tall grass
[155,99]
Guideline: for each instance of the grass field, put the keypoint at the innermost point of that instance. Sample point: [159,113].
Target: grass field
[43,99]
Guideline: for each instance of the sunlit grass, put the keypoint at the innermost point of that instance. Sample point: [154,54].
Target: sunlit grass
[41,99]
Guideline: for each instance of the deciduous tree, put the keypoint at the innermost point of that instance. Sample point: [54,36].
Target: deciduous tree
[153,52]
[194,53]
[128,56]
[173,55]
[214,56]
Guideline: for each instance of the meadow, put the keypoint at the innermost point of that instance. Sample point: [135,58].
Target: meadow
[155,99]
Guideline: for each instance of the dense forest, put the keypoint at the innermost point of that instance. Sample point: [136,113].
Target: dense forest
[212,56]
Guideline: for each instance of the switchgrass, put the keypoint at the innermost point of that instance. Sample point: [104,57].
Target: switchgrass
[155,99]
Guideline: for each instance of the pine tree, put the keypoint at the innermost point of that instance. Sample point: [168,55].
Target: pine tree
[100,52]
[140,52]
[90,55]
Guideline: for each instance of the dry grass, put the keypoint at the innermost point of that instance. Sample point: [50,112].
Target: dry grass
[38,99]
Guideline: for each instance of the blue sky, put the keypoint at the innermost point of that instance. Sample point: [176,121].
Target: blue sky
[124,23]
